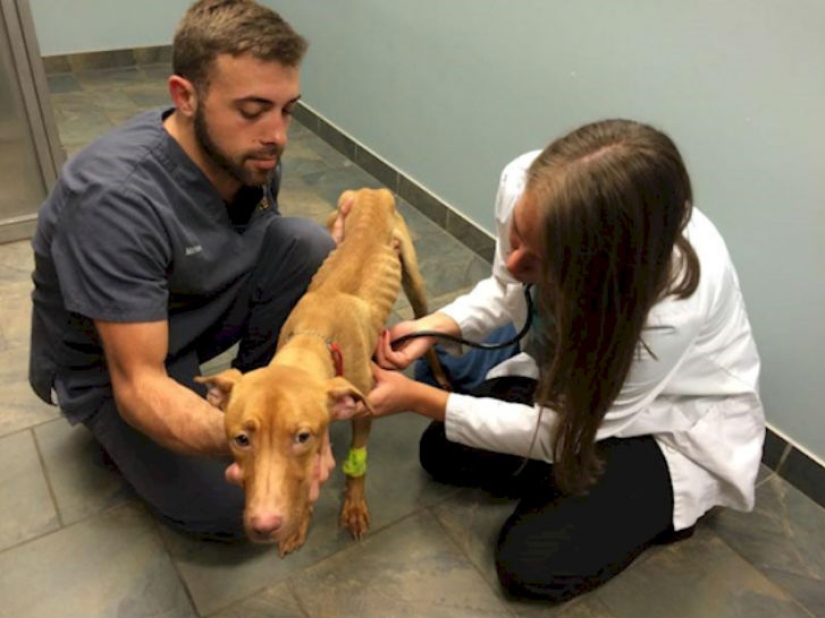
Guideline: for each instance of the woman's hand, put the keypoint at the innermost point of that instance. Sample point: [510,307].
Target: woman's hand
[390,394]
[394,392]
[413,349]
[407,352]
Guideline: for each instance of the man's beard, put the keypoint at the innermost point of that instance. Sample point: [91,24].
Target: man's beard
[234,167]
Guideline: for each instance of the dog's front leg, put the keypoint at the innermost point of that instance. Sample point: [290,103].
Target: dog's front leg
[355,515]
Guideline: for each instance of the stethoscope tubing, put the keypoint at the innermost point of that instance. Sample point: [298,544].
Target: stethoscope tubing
[476,344]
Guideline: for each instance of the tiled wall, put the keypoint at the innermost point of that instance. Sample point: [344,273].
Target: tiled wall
[786,459]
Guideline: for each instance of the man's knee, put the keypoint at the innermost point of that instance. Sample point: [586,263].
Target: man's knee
[304,240]
[190,494]
[220,526]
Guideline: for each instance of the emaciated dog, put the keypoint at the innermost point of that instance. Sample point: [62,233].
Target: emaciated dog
[276,416]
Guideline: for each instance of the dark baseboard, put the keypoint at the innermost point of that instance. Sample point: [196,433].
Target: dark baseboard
[110,59]
[471,236]
[795,466]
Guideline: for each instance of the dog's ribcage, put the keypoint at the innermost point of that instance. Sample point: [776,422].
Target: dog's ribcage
[365,265]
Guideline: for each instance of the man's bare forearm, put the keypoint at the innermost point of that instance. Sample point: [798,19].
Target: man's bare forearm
[173,416]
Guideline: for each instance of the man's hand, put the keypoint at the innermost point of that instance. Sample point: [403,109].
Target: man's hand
[234,474]
[337,227]
[323,466]
[152,402]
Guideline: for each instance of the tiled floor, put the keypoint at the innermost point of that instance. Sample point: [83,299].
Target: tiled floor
[74,541]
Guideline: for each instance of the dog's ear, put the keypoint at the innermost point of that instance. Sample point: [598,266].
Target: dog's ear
[219,386]
[344,401]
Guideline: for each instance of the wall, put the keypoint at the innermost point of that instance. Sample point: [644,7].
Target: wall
[74,26]
[450,91]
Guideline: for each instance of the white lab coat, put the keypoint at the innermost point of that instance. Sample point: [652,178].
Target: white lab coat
[698,397]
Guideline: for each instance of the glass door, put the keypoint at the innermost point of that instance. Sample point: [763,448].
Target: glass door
[30,153]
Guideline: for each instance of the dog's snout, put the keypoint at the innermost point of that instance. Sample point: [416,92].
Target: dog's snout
[264,525]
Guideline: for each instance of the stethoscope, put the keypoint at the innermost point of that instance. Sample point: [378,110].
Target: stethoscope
[489,346]
[477,344]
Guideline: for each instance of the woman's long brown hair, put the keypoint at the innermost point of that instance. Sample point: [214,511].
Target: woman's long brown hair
[615,198]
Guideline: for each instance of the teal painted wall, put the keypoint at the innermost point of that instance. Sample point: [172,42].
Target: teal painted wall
[74,26]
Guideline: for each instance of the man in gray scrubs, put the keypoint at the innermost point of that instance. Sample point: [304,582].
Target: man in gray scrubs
[162,246]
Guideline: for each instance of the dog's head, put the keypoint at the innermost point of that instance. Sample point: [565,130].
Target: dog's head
[276,419]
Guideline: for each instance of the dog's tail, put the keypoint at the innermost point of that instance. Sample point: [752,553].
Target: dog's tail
[413,284]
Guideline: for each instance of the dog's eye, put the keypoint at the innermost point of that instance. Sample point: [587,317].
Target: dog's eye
[302,437]
[242,440]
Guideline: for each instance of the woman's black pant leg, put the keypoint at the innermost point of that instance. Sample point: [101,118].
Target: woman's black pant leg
[457,464]
[558,547]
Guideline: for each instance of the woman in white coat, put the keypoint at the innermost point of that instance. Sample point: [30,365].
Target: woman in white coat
[633,407]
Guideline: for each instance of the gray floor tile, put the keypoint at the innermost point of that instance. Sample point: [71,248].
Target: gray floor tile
[15,313]
[156,73]
[585,606]
[396,483]
[16,262]
[410,569]
[306,153]
[21,407]
[447,266]
[62,83]
[146,96]
[26,508]
[82,484]
[473,519]
[219,575]
[331,183]
[117,107]
[78,130]
[700,577]
[297,199]
[807,591]
[784,537]
[104,80]
[275,601]
[111,565]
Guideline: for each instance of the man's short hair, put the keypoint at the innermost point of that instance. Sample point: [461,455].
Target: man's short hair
[211,28]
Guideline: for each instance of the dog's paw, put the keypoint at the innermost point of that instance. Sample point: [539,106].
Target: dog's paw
[355,517]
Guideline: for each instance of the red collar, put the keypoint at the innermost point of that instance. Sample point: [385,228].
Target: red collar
[332,346]
[337,357]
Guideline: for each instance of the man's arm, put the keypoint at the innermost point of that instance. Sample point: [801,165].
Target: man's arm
[152,402]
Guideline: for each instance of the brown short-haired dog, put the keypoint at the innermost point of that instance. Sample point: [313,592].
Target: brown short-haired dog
[276,416]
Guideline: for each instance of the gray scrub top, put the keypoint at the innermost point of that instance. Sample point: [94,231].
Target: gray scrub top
[132,232]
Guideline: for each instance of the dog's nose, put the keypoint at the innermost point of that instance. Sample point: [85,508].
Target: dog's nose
[266,524]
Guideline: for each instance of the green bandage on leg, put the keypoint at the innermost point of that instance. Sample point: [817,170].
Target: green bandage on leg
[356,463]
